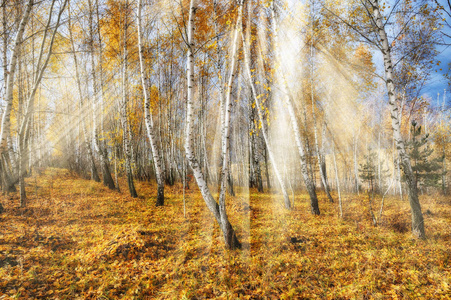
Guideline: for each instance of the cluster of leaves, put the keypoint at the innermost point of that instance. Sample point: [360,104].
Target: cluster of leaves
[79,240]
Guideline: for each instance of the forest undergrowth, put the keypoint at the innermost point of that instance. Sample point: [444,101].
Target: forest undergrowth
[78,240]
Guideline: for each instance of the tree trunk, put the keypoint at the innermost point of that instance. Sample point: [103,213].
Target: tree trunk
[24,129]
[337,180]
[231,241]
[226,127]
[256,99]
[417,215]
[356,166]
[315,129]
[6,117]
[125,126]
[148,117]
[268,181]
[106,174]
[295,126]
[94,174]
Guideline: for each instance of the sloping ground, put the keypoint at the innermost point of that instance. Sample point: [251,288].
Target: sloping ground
[79,240]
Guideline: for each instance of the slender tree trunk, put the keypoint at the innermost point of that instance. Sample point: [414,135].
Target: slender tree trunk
[6,117]
[268,181]
[126,135]
[94,174]
[125,126]
[106,174]
[379,167]
[116,179]
[315,132]
[231,241]
[444,141]
[29,103]
[337,180]
[356,165]
[417,215]
[148,116]
[263,126]
[226,128]
[295,127]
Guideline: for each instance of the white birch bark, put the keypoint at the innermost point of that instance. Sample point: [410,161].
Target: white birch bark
[417,215]
[295,125]
[6,117]
[272,159]
[148,116]
[29,104]
[315,130]
[337,180]
[230,238]
[356,164]
[125,126]
[228,110]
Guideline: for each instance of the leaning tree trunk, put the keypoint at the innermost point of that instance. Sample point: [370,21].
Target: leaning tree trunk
[148,117]
[417,215]
[295,126]
[272,159]
[227,114]
[231,241]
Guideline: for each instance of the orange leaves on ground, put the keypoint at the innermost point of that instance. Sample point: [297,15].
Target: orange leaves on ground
[77,239]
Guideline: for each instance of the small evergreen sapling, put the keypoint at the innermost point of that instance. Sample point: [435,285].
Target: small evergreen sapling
[425,168]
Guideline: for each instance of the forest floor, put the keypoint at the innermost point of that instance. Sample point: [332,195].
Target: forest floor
[79,240]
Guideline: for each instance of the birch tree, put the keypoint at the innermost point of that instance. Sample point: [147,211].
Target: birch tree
[225,128]
[124,109]
[98,146]
[41,65]
[258,105]
[231,241]
[322,170]
[151,133]
[288,100]
[11,71]
[385,48]
[82,121]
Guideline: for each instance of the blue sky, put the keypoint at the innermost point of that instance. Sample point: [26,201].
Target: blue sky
[438,83]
